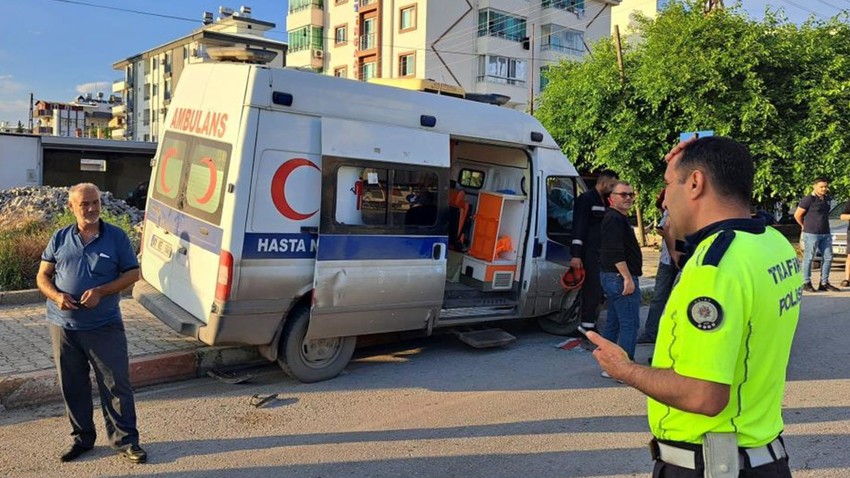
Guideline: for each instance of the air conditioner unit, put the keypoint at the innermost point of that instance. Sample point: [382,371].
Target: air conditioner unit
[318,54]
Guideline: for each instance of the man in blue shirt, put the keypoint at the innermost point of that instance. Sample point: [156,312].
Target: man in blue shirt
[83,269]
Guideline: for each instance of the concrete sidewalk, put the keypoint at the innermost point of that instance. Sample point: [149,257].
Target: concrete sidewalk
[157,353]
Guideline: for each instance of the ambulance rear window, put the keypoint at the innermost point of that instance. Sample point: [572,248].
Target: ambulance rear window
[191,174]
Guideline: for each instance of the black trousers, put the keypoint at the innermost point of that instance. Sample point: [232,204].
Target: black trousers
[105,350]
[777,469]
[591,291]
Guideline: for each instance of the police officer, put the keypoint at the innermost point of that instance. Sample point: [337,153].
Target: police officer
[589,209]
[717,378]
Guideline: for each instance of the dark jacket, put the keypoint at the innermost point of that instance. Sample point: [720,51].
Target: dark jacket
[619,244]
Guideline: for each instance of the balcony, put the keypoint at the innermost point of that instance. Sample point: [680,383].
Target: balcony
[306,58]
[118,86]
[366,3]
[368,42]
[301,5]
[119,110]
[118,133]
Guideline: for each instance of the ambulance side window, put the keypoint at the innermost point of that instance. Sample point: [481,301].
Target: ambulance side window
[388,197]
[561,192]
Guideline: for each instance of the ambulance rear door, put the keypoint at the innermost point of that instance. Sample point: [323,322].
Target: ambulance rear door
[383,233]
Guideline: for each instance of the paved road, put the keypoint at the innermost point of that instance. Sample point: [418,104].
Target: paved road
[435,408]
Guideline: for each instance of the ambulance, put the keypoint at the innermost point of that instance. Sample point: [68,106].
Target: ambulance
[296,211]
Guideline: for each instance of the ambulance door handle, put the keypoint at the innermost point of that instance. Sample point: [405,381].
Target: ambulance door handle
[437,251]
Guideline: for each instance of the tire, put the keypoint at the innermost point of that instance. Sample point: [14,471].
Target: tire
[563,322]
[314,360]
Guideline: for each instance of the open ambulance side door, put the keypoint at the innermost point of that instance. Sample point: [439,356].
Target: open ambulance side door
[383,233]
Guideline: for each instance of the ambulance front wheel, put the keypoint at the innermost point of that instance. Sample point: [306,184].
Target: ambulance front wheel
[311,360]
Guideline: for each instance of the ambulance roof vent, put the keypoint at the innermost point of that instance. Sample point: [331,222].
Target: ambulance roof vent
[241,54]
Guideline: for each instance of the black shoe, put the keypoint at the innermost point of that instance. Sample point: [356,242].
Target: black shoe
[808,287]
[135,454]
[828,288]
[73,453]
[645,339]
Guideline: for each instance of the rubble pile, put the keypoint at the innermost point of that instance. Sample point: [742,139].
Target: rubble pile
[47,202]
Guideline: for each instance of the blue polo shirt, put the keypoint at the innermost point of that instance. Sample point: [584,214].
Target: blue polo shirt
[80,268]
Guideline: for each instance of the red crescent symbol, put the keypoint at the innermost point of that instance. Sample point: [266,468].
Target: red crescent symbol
[208,162]
[168,154]
[279,186]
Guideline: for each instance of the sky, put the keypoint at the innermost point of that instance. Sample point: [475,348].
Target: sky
[59,49]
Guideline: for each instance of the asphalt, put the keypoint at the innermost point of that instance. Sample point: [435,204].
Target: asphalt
[157,353]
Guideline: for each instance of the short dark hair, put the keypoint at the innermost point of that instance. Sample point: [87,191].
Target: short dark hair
[607,173]
[820,179]
[727,164]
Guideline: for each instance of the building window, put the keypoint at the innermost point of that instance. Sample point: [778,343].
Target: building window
[368,38]
[341,72]
[497,24]
[407,18]
[306,38]
[298,5]
[500,69]
[367,70]
[406,64]
[575,6]
[340,35]
[340,2]
[562,39]
[544,77]
[155,63]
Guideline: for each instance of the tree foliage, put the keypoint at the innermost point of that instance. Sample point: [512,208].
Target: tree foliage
[780,88]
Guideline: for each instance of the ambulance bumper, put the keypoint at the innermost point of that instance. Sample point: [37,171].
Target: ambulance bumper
[229,328]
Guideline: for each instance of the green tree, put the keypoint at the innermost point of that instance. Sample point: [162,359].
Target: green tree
[780,88]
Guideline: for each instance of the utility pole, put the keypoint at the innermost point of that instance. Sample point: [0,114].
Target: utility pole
[621,65]
[712,5]
[31,103]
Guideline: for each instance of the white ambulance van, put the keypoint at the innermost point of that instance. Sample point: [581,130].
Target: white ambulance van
[296,211]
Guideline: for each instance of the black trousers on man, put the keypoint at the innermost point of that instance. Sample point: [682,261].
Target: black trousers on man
[777,469]
[105,350]
[591,291]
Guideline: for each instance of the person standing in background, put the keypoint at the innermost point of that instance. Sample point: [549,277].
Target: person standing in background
[665,276]
[621,265]
[813,216]
[589,209]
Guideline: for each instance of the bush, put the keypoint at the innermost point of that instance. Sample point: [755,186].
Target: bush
[23,240]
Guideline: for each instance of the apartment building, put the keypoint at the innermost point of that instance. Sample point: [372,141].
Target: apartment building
[500,47]
[623,15]
[151,76]
[85,117]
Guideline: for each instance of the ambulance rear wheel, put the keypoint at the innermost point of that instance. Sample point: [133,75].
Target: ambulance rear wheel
[311,360]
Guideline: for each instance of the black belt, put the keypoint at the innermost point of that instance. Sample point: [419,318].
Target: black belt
[688,455]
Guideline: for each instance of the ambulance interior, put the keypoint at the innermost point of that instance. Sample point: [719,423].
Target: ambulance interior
[488,223]
[482,203]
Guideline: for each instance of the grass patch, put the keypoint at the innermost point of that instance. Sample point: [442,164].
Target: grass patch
[23,239]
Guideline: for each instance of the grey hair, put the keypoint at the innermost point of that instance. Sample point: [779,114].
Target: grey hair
[78,188]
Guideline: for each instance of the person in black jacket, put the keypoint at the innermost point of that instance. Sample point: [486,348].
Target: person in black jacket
[621,265]
[589,208]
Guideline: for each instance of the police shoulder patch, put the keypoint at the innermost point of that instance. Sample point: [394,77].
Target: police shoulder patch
[705,313]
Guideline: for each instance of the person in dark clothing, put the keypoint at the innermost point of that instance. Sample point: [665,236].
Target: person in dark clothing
[813,216]
[83,269]
[589,208]
[621,264]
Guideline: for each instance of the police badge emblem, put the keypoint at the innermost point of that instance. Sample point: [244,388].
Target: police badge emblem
[705,313]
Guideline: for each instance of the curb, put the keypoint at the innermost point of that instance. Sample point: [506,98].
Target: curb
[42,387]
[21,297]
[34,296]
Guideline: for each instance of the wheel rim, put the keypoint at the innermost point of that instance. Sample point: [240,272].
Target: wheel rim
[321,352]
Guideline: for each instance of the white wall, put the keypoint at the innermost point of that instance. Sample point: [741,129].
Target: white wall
[20,159]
